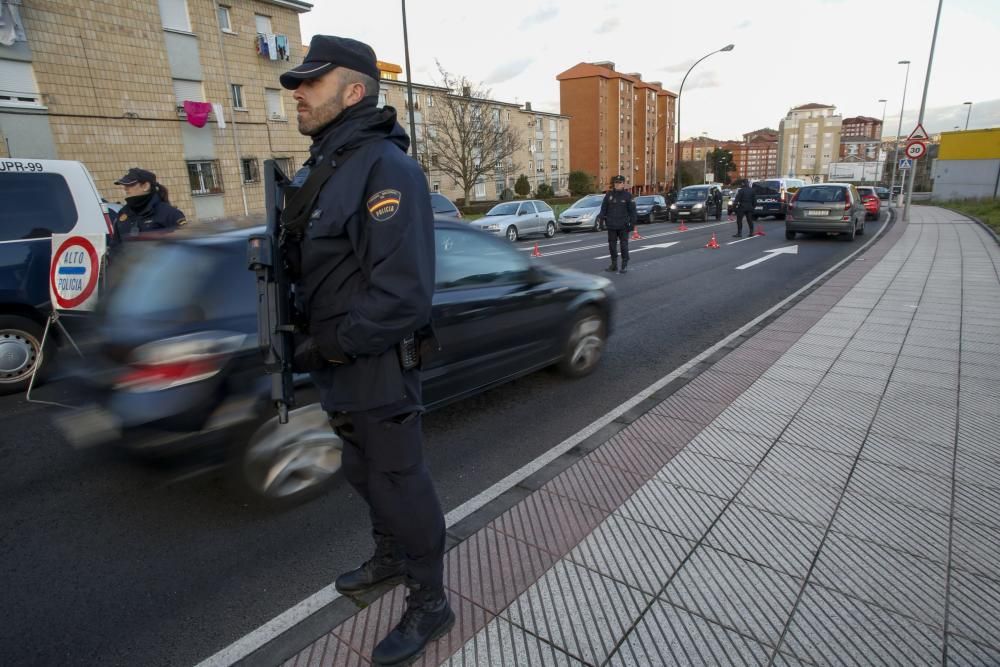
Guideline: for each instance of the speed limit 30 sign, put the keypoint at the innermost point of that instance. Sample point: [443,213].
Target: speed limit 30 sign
[915,149]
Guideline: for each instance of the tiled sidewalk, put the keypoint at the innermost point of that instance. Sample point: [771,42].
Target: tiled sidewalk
[827,493]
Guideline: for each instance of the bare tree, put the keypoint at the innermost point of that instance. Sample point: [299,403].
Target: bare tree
[470,136]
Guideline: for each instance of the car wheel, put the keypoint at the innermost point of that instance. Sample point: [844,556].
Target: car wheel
[550,230]
[849,236]
[512,233]
[780,216]
[861,228]
[789,235]
[286,464]
[20,352]
[585,344]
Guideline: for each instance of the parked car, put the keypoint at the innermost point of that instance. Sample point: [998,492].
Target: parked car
[176,373]
[582,214]
[871,201]
[650,208]
[444,207]
[514,219]
[826,208]
[696,202]
[37,198]
[883,193]
[771,196]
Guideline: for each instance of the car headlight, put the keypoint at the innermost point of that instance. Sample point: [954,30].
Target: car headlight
[587,216]
[697,206]
[673,207]
[492,228]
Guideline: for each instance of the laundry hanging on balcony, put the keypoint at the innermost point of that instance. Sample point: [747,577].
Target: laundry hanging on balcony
[197,112]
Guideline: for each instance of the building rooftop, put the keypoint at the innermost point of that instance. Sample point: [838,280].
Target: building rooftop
[606,70]
[297,5]
[861,119]
[813,105]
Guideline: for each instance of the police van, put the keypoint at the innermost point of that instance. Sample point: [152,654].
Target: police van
[37,199]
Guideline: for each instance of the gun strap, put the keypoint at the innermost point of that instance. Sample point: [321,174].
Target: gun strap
[295,215]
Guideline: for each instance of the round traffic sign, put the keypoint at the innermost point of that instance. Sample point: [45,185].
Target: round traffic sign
[74,273]
[915,149]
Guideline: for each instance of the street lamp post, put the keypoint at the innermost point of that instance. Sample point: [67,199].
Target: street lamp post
[677,147]
[880,135]
[923,107]
[899,130]
[409,86]
[968,115]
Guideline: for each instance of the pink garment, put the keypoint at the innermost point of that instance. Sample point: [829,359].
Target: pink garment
[197,112]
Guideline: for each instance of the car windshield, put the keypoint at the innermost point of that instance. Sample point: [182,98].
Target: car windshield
[700,194]
[866,191]
[508,208]
[440,204]
[589,202]
[645,201]
[823,194]
[767,187]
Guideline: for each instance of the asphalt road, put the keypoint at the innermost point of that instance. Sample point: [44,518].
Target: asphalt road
[104,561]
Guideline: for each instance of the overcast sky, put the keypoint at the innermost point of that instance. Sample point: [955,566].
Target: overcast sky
[788,52]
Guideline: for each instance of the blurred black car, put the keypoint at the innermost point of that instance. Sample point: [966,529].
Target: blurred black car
[650,208]
[174,367]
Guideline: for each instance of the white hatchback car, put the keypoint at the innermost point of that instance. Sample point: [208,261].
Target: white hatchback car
[514,219]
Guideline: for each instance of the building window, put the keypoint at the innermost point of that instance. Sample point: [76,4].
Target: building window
[251,170]
[237,91]
[174,15]
[225,22]
[263,24]
[285,163]
[205,177]
[275,105]
[383,98]
[430,101]
[187,91]
[480,192]
[17,85]
[436,186]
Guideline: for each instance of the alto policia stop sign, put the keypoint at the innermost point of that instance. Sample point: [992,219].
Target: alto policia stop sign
[74,272]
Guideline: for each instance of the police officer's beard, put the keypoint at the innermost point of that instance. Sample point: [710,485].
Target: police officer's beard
[316,118]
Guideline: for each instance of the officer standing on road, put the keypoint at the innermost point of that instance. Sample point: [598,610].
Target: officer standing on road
[618,214]
[147,206]
[366,279]
[743,204]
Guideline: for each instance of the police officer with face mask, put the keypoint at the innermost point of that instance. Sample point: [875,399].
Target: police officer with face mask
[360,211]
[147,206]
[619,216]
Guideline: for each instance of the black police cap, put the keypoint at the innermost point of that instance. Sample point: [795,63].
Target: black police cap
[136,175]
[327,52]
[618,179]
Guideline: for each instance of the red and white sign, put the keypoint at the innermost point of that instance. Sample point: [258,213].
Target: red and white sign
[918,134]
[915,149]
[75,270]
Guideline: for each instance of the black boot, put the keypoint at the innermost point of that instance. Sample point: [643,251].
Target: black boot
[613,268]
[624,266]
[428,616]
[385,567]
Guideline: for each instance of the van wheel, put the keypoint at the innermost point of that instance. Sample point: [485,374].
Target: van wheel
[585,344]
[283,465]
[20,352]
[512,233]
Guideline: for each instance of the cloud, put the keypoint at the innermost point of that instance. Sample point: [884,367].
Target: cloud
[682,66]
[541,16]
[703,79]
[944,119]
[742,25]
[508,70]
[609,25]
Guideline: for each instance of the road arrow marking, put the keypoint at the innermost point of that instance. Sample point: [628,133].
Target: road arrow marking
[645,247]
[787,250]
[742,240]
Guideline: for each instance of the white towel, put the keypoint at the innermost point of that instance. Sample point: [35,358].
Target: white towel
[220,118]
[272,47]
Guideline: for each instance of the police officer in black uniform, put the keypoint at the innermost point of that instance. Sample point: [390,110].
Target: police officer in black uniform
[147,206]
[743,205]
[366,280]
[619,216]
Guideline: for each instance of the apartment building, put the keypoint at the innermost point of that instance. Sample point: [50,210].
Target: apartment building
[760,154]
[619,124]
[543,154]
[861,126]
[808,141]
[68,91]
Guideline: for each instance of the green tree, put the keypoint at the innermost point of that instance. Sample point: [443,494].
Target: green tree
[691,173]
[720,161]
[522,186]
[580,183]
[545,191]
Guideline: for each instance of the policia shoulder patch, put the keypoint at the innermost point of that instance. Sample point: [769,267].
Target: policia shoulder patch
[384,204]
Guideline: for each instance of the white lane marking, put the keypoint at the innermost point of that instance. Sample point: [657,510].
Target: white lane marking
[772,253]
[257,638]
[543,245]
[645,247]
[644,238]
[749,238]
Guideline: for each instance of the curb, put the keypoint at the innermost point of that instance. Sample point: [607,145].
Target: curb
[295,638]
[989,230]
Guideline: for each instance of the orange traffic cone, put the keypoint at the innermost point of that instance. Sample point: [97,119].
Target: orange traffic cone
[759,232]
[635,235]
[713,243]
[536,252]
[683,227]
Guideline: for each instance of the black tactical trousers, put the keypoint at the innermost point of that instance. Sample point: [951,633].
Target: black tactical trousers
[616,236]
[739,221]
[383,461]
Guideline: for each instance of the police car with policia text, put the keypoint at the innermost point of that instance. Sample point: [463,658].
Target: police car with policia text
[38,198]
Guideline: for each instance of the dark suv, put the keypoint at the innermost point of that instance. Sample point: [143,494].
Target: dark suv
[174,367]
[697,202]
